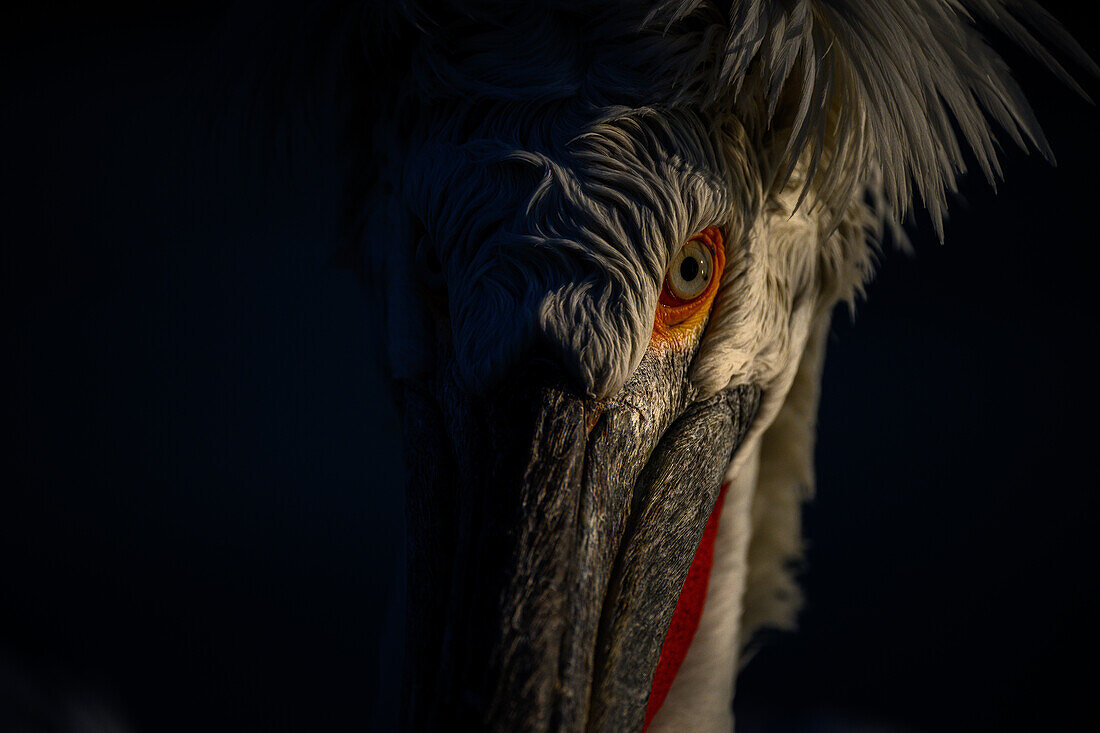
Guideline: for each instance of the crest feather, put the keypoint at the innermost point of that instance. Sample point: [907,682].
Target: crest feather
[874,89]
[894,92]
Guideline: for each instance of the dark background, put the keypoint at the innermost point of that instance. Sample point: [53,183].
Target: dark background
[200,521]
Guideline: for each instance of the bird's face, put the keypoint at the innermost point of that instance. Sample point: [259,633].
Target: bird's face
[605,239]
[591,324]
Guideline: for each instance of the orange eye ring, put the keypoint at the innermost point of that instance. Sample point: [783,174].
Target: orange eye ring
[675,310]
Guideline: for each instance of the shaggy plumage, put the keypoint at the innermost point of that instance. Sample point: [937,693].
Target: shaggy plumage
[581,142]
[553,156]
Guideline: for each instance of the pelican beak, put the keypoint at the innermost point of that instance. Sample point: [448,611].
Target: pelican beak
[549,539]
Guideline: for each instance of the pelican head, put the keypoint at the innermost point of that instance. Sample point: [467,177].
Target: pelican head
[603,241]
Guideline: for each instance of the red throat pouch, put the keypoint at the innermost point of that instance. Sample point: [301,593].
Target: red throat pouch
[689,610]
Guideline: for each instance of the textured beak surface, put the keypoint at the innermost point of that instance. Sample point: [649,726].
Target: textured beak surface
[549,539]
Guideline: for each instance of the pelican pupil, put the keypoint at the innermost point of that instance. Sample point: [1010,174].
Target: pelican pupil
[689,268]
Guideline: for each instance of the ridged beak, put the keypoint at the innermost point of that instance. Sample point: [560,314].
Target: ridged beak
[549,539]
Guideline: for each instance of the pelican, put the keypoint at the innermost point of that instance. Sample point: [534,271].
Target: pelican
[604,240]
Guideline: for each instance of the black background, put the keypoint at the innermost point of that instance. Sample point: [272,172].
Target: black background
[200,526]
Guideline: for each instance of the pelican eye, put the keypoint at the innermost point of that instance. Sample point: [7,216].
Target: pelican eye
[691,279]
[691,271]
